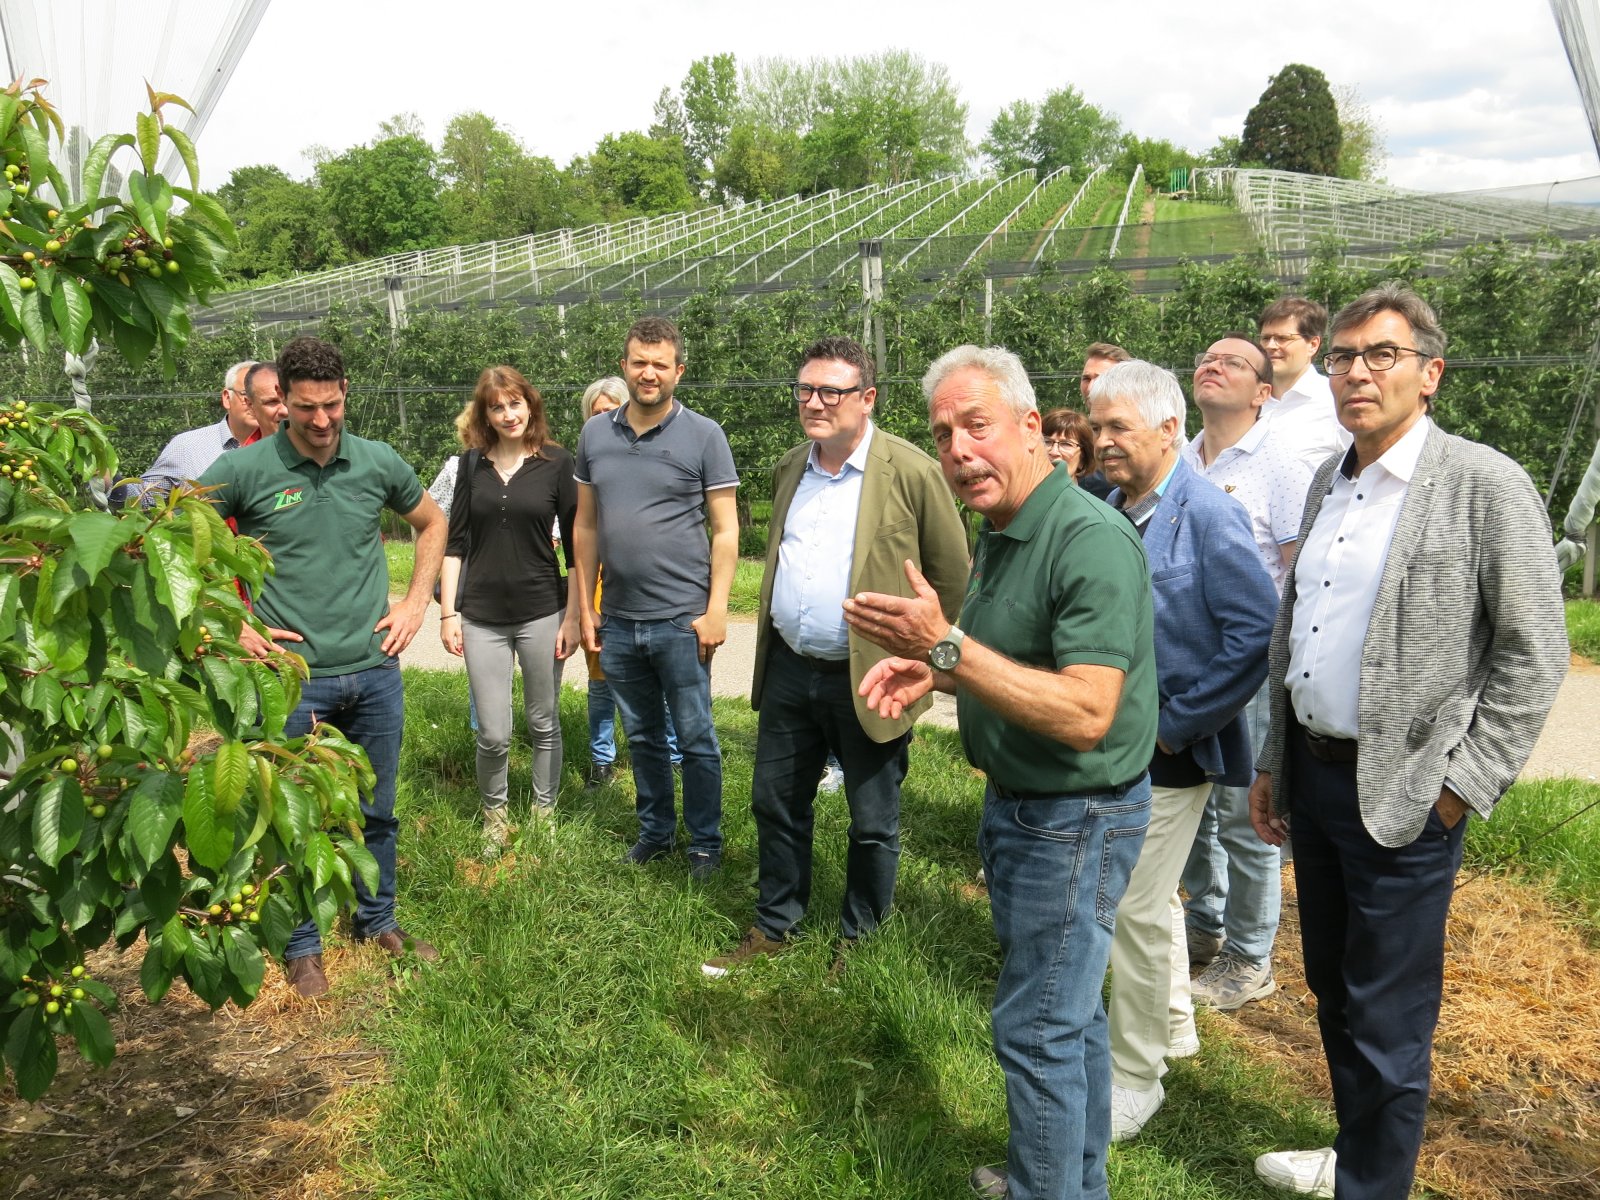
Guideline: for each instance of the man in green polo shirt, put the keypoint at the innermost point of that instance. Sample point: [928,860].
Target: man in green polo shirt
[313,495]
[1053,669]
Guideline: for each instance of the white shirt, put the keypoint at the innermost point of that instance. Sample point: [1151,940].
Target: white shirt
[816,554]
[1307,420]
[1269,481]
[1336,584]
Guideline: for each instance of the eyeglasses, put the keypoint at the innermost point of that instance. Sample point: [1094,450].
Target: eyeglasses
[1377,358]
[1279,339]
[830,396]
[1062,444]
[1231,361]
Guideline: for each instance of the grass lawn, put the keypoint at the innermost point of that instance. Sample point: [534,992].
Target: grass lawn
[1583,627]
[568,1045]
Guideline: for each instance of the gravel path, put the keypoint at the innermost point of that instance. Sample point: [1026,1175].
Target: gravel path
[1568,747]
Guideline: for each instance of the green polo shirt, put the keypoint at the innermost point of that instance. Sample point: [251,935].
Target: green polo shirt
[320,524]
[1066,582]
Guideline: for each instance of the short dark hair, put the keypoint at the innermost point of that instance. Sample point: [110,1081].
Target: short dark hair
[1070,423]
[652,331]
[253,372]
[1310,318]
[1108,351]
[309,358]
[842,349]
[1395,297]
[1263,372]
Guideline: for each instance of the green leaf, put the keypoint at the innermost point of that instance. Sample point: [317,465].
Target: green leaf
[11,294]
[93,1033]
[98,536]
[230,776]
[186,151]
[57,819]
[361,859]
[244,961]
[153,813]
[208,835]
[155,973]
[182,582]
[162,888]
[133,342]
[98,159]
[320,859]
[176,941]
[71,307]
[10,107]
[202,967]
[291,814]
[30,315]
[148,131]
[31,1051]
[208,210]
[165,306]
[278,921]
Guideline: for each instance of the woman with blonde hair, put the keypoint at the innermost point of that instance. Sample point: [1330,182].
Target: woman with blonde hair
[512,486]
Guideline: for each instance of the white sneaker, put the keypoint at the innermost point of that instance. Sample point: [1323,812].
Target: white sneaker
[832,780]
[1131,1110]
[1307,1172]
[1185,1045]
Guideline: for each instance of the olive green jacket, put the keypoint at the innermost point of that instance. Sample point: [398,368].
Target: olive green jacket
[906,511]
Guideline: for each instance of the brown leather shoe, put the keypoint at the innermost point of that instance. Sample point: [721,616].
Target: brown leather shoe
[397,943]
[305,976]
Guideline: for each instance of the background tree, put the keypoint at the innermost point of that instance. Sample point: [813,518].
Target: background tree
[493,187]
[283,225]
[1008,145]
[1363,150]
[641,174]
[116,641]
[384,197]
[760,163]
[1071,132]
[1294,126]
[1157,156]
[710,106]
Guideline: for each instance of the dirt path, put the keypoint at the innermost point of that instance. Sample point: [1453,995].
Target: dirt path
[1568,747]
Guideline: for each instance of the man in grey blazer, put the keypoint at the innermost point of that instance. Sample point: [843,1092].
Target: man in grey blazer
[851,506]
[1419,647]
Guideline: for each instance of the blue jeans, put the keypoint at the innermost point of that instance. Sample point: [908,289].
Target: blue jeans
[1233,878]
[646,663]
[602,727]
[1057,867]
[808,715]
[368,707]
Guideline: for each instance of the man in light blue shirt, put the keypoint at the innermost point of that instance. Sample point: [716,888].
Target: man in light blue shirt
[188,454]
[849,507]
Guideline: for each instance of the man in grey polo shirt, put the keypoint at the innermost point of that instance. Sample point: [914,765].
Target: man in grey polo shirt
[649,476]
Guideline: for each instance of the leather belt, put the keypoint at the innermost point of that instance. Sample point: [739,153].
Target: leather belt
[1330,749]
[822,666]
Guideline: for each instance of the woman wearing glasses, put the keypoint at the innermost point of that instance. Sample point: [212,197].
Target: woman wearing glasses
[1068,439]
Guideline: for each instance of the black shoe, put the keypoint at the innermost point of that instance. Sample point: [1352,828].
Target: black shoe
[989,1182]
[599,775]
[642,852]
[703,864]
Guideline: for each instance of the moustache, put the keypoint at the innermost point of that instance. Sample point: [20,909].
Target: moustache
[972,474]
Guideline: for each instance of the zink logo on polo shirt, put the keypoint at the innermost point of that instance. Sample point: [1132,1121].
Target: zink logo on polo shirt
[288,497]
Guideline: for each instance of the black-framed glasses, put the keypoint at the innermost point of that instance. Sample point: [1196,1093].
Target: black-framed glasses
[830,396]
[1231,361]
[1377,358]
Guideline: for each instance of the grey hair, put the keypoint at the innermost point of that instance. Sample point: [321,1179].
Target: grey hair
[611,385]
[1154,391]
[1394,296]
[998,363]
[233,378]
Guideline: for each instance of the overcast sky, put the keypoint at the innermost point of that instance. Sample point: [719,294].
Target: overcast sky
[1472,93]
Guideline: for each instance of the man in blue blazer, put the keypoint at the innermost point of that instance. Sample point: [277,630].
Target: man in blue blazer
[1214,606]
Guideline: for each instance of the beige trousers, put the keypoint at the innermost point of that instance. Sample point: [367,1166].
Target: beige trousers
[1150,1002]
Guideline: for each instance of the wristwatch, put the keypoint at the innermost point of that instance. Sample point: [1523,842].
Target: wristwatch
[946,652]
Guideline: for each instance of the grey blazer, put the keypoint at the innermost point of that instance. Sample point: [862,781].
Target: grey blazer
[1466,647]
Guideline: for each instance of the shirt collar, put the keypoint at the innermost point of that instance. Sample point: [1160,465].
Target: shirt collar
[1400,459]
[1038,502]
[619,416]
[1249,443]
[291,457]
[857,459]
[1303,388]
[225,432]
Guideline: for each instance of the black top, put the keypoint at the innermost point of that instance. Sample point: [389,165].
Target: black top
[512,575]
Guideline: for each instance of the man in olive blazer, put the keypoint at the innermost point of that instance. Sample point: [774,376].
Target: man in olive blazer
[849,507]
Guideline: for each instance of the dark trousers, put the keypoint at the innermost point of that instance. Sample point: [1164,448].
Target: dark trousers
[806,711]
[1372,924]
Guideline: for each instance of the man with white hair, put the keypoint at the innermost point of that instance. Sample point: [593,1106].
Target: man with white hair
[1214,603]
[189,454]
[1054,677]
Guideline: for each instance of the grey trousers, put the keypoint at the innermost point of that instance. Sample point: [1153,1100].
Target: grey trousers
[491,651]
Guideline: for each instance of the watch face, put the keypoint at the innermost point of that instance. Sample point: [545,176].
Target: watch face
[944,655]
